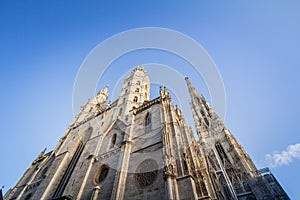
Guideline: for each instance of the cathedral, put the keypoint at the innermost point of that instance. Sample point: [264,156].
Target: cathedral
[142,148]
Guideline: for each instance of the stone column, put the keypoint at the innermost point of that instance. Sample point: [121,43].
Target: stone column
[123,163]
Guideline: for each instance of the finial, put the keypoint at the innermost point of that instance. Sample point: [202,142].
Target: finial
[160,91]
[106,88]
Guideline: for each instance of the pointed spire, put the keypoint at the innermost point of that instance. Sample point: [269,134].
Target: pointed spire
[193,92]
[105,90]
[200,110]
[196,98]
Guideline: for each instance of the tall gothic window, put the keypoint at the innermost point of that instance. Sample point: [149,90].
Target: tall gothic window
[221,152]
[113,140]
[120,111]
[135,99]
[206,121]
[148,122]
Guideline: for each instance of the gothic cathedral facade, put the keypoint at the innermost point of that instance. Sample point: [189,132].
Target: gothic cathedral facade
[137,148]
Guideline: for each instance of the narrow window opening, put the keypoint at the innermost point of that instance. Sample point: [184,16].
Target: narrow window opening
[148,122]
[113,140]
[135,99]
[206,121]
[221,152]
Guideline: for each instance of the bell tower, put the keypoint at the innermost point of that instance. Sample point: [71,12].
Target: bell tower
[135,91]
[228,163]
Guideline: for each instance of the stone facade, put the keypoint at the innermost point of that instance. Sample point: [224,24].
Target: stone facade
[136,148]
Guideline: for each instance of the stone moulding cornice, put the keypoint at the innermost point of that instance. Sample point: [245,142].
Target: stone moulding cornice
[146,105]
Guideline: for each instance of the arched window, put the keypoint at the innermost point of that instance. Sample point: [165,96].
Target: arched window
[206,121]
[148,122]
[126,91]
[113,140]
[137,90]
[138,82]
[221,152]
[146,96]
[135,99]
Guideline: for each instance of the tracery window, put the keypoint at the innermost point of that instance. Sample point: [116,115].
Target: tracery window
[146,173]
[221,152]
[135,99]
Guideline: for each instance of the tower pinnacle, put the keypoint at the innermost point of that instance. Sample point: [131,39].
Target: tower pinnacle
[135,91]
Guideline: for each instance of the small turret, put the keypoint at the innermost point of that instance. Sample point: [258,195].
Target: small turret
[101,98]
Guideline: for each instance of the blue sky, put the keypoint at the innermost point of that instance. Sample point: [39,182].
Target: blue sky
[255,45]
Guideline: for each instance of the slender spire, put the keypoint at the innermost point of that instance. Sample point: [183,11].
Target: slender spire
[193,93]
[197,99]
[200,109]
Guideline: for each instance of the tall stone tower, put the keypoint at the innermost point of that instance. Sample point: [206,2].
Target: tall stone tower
[137,148]
[231,169]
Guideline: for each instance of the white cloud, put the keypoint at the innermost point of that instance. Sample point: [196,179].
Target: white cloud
[286,157]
